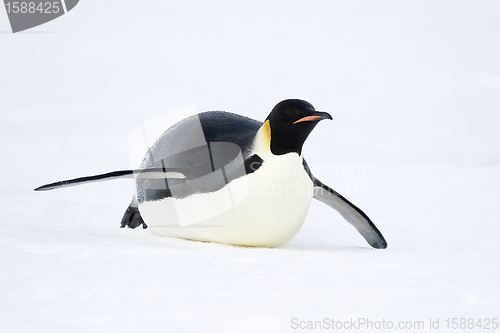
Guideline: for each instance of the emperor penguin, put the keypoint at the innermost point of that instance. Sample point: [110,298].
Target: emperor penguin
[222,177]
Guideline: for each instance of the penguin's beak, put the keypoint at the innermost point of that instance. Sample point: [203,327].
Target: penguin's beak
[316,116]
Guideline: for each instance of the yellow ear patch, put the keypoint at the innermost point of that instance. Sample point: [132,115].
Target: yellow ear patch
[266,129]
[262,142]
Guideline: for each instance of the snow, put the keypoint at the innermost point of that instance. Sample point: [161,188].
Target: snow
[413,89]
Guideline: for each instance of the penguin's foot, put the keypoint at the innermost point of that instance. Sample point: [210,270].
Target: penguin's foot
[132,218]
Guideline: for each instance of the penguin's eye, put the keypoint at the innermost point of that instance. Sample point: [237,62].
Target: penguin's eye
[285,118]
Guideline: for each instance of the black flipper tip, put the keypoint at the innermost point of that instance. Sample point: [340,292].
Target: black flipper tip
[379,244]
[46,187]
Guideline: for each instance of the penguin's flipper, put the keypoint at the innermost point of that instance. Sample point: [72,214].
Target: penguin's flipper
[151,173]
[351,213]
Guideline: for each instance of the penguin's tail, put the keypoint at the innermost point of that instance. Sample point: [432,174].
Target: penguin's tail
[151,173]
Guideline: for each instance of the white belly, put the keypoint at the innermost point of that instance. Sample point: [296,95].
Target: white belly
[266,208]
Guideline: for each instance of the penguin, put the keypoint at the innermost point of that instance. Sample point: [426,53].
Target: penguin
[222,177]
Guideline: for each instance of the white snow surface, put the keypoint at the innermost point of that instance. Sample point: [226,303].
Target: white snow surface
[413,88]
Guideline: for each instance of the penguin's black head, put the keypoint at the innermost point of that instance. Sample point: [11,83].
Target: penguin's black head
[290,123]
